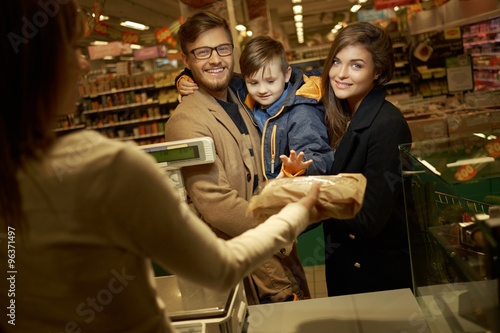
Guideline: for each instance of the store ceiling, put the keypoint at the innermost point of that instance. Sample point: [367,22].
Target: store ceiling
[319,15]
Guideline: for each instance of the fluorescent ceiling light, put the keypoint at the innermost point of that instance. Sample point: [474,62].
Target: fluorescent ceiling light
[429,166]
[297,18]
[355,8]
[296,1]
[299,24]
[297,9]
[240,27]
[134,25]
[99,42]
[478,160]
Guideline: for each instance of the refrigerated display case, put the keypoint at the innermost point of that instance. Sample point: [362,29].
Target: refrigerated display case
[452,206]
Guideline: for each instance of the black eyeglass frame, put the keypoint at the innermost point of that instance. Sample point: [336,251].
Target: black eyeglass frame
[193,51]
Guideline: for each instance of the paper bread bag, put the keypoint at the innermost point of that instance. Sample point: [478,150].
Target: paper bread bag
[341,196]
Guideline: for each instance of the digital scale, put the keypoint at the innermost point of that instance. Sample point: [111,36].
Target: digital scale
[194,309]
[191,308]
[173,155]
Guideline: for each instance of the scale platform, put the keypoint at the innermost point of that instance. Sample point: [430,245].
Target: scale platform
[194,309]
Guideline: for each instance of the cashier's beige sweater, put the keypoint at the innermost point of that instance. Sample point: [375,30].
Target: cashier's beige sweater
[96,212]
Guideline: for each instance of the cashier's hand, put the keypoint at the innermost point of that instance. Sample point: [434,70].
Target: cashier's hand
[310,202]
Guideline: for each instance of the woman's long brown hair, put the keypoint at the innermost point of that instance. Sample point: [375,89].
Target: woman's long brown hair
[37,36]
[378,43]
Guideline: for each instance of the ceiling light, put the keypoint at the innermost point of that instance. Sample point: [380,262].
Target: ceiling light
[338,26]
[297,18]
[134,25]
[476,160]
[355,8]
[98,42]
[362,1]
[241,27]
[103,18]
[296,1]
[297,9]
[249,33]
[135,46]
[299,24]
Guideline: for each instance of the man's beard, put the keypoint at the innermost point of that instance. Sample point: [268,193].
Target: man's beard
[214,85]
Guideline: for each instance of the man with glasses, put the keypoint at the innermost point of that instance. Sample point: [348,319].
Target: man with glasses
[220,192]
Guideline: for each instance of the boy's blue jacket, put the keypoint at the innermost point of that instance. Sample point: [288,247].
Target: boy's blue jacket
[296,121]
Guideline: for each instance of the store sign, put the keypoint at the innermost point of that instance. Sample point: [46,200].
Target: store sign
[130,38]
[101,28]
[372,15]
[87,30]
[150,52]
[459,74]
[163,35]
[112,49]
[384,4]
[439,3]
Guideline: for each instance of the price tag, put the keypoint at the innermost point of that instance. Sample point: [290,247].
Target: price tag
[493,148]
[465,172]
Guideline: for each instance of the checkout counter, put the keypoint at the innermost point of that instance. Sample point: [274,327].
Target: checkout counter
[198,310]
[193,309]
[377,312]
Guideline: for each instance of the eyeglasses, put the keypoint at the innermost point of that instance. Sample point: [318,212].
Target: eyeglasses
[205,52]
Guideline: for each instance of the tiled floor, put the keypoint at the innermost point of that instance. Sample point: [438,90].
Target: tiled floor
[316,280]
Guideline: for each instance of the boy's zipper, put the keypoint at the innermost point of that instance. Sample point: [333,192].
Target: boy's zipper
[273,147]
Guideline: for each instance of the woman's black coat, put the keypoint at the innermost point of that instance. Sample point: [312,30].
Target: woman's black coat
[370,252]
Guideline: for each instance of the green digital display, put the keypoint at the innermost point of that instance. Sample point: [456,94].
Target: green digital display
[175,154]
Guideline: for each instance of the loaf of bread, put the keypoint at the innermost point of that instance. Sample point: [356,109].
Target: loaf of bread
[341,196]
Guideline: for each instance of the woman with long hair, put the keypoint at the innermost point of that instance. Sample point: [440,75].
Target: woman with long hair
[369,252]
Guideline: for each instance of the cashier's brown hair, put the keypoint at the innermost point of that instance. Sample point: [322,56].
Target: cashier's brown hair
[376,41]
[37,39]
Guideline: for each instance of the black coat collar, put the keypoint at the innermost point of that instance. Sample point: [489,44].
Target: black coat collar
[363,118]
